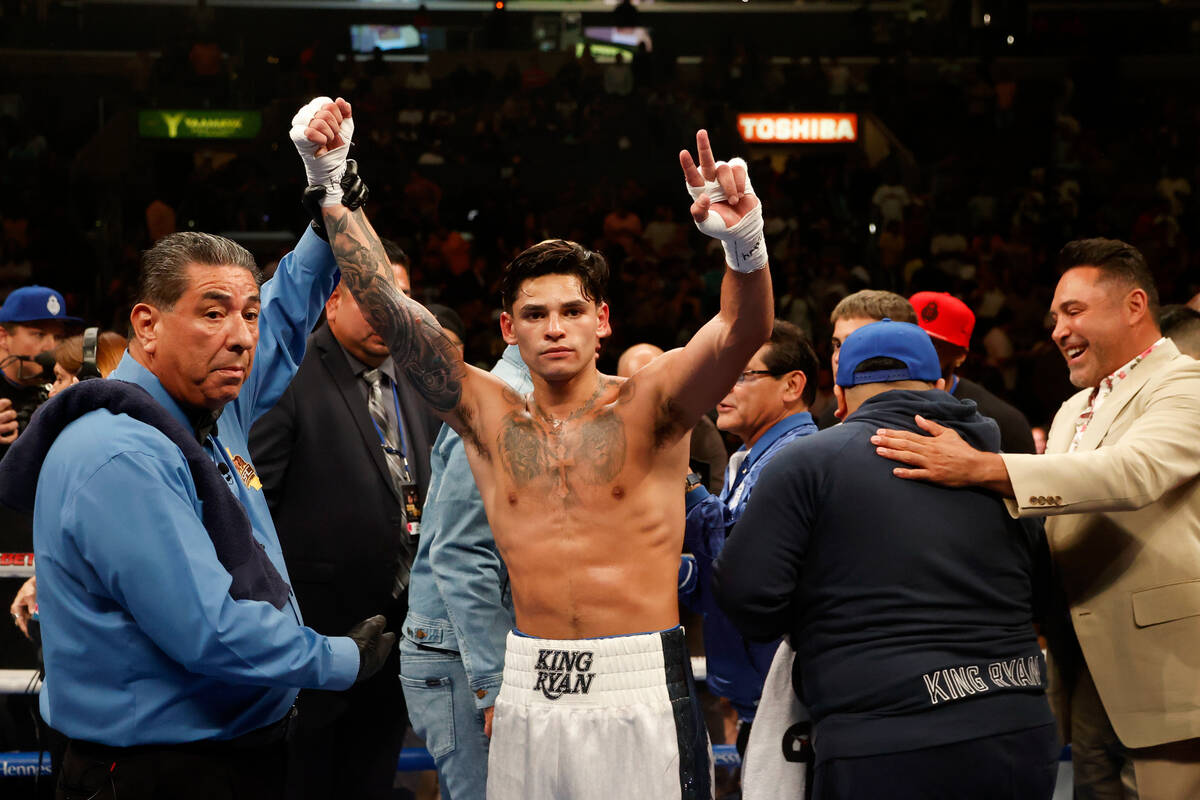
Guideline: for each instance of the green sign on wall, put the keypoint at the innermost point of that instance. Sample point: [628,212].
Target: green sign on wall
[197,124]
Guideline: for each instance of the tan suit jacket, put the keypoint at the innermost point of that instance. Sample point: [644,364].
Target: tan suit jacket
[1124,530]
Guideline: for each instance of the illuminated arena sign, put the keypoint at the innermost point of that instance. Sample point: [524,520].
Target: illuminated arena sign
[789,128]
[180,124]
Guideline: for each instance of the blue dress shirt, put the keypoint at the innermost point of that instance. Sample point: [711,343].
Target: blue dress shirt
[142,642]
[736,667]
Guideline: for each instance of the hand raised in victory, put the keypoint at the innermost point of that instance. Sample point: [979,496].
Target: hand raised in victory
[724,205]
[322,131]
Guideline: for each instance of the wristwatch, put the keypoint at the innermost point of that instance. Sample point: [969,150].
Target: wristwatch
[693,480]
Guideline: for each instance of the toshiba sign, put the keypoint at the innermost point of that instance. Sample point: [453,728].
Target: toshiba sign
[798,127]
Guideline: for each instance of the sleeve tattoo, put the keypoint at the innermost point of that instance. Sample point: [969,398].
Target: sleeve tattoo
[421,351]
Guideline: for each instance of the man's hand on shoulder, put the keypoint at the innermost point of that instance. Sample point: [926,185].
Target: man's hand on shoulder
[724,205]
[941,457]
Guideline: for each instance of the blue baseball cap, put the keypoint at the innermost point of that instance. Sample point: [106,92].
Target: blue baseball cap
[35,304]
[901,341]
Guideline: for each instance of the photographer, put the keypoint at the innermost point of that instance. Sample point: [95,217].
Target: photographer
[32,320]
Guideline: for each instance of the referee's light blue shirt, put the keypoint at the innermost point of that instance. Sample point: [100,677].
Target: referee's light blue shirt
[142,642]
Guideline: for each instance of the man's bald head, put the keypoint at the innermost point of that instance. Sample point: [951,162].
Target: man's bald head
[636,357]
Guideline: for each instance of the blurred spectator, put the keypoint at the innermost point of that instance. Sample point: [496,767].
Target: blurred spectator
[663,233]
[160,219]
[418,78]
[853,312]
[890,201]
[891,249]
[70,359]
[452,325]
[1182,326]
[838,77]
[618,77]
[623,227]
[949,323]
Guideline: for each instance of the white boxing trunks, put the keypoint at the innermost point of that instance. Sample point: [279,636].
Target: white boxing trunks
[599,719]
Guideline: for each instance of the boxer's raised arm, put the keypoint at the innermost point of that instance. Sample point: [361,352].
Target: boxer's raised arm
[421,350]
[418,345]
[694,378]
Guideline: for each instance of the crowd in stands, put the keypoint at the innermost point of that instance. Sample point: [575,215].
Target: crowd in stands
[473,162]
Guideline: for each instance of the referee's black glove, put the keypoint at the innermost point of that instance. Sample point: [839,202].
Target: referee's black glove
[354,195]
[373,645]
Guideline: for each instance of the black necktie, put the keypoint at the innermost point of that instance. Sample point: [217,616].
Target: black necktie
[395,459]
[397,463]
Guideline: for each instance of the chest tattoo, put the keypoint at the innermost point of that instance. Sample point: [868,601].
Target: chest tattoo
[582,454]
[603,439]
[524,450]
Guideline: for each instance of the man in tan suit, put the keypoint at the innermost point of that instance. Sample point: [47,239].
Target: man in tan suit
[1120,482]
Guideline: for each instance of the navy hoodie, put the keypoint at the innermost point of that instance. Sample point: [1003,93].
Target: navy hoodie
[910,605]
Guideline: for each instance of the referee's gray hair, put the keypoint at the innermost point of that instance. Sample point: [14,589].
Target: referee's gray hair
[164,279]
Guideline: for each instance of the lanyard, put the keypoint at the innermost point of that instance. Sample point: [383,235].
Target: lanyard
[387,448]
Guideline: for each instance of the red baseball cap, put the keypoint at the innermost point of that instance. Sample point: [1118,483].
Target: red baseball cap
[943,316]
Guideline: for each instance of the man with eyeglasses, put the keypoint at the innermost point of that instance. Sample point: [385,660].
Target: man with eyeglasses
[766,409]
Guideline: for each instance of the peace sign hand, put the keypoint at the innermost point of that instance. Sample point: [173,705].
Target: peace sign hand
[724,205]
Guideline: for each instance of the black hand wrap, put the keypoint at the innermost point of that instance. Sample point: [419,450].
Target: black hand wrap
[354,195]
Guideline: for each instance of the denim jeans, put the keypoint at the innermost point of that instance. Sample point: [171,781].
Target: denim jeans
[441,708]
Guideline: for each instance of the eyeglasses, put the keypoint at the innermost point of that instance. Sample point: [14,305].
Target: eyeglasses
[752,373]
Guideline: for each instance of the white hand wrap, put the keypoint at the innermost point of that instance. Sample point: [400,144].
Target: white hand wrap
[745,248]
[325,170]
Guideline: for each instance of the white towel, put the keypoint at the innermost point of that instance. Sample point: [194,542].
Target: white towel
[766,773]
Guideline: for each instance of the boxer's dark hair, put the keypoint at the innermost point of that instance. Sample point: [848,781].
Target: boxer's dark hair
[1116,260]
[164,275]
[556,257]
[788,349]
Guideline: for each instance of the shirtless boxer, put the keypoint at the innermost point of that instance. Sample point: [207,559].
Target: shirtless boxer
[580,481]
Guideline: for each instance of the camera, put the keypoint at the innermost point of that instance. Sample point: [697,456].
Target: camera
[25,401]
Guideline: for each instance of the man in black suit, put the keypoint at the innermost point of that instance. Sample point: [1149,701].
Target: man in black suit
[341,457]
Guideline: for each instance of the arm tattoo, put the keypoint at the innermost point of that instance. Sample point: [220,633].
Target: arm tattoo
[420,349]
